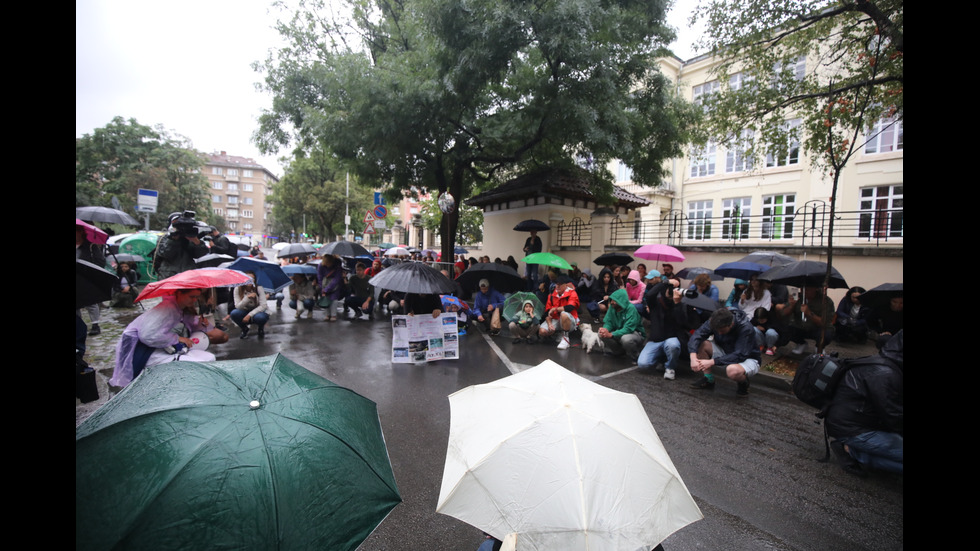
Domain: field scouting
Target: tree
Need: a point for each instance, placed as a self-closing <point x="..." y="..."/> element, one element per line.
<point x="124" y="156"/>
<point x="315" y="187"/>
<point x="469" y="228"/>
<point x="835" y="69"/>
<point x="447" y="96"/>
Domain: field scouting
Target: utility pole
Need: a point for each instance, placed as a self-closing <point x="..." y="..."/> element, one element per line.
<point x="347" y="210"/>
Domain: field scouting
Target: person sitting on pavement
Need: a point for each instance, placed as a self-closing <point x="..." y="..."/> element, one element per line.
<point x="250" y="307"/>
<point x="418" y="305"/>
<point x="635" y="286"/>
<point x="361" y="294"/>
<point x="525" y="325"/>
<point x="622" y="330"/>
<point x="733" y="349"/>
<point x="207" y="307"/>
<point x="125" y="292"/>
<point x="754" y="297"/>
<point x="888" y="322"/>
<point x="599" y="294"/>
<point x="160" y="335"/>
<point x="330" y="280"/>
<point x="302" y="296"/>
<point x="852" y="317"/>
<point x="561" y="310"/>
<point x="866" y="416"/>
<point x="702" y="284"/>
<point x="487" y="303"/>
<point x="766" y="331"/>
<point x="670" y="322"/>
<point x="811" y="316"/>
<point x="667" y="271"/>
<point x="738" y="291"/>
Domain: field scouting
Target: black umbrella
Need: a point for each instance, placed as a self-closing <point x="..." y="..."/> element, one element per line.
<point x="501" y="277"/>
<point x="414" y="277"/>
<point x="106" y="215"/>
<point x="532" y="225"/>
<point x="804" y="273"/>
<point x="344" y="248"/>
<point x="212" y="260"/>
<point x="769" y="258"/>
<point x="703" y="302"/>
<point x="296" y="249"/>
<point x="880" y="296"/>
<point x="695" y="271"/>
<point x="93" y="283"/>
<point x="610" y="259"/>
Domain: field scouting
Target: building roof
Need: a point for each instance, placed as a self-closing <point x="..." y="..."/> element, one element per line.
<point x="572" y="183"/>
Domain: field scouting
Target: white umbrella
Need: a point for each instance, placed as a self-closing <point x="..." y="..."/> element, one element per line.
<point x="397" y="251"/>
<point x="558" y="462"/>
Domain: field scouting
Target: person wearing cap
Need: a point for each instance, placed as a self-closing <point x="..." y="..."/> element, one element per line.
<point x="487" y="304"/>
<point x="561" y="310"/>
<point x="622" y="329"/>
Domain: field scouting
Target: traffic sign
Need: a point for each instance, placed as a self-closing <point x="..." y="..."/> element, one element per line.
<point x="369" y="229"/>
<point x="380" y="211"/>
<point x="369" y="218"/>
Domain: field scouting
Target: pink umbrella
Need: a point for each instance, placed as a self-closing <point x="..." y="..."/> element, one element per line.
<point x="93" y="234"/>
<point x="660" y="253"/>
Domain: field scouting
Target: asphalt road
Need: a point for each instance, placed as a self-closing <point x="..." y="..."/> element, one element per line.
<point x="749" y="463"/>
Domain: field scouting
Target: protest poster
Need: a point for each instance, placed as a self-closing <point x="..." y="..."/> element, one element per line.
<point x="424" y="338"/>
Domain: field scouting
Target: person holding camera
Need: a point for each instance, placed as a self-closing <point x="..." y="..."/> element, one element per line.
<point x="177" y="250"/>
<point x="670" y="321"/>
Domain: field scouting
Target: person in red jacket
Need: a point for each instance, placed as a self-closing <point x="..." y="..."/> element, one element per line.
<point x="561" y="311"/>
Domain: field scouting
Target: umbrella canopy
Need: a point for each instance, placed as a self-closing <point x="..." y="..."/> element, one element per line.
<point x="246" y="454"/>
<point x="414" y="277"/>
<point x="880" y="296"/>
<point x="344" y="248"/>
<point x="769" y="258"/>
<point x="213" y="260"/>
<point x="450" y="300"/>
<point x="695" y="271"/>
<point x="460" y="250"/>
<point x="304" y="269"/>
<point x="563" y="463"/>
<point x="268" y="274"/>
<point x="296" y="249"/>
<point x="659" y="252"/>
<point x="93" y="283"/>
<point x="386" y="245"/>
<point x="124" y="257"/>
<point x="280" y="246"/>
<point x="105" y="214"/>
<point x="501" y="277"/>
<point x="531" y="225"/>
<point x="397" y="251"/>
<point x="741" y="269"/>
<point x="201" y="278"/>
<point x="548" y="259"/>
<point x="93" y="234"/>
<point x="515" y="304"/>
<point x="610" y="259"/>
<point x="804" y="273"/>
<point x="703" y="302"/>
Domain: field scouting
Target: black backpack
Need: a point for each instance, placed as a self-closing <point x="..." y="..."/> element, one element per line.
<point x="817" y="378"/>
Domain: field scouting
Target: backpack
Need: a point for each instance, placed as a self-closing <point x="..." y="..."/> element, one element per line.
<point x="817" y="378"/>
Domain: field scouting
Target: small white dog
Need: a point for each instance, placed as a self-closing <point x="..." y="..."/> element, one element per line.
<point x="590" y="339"/>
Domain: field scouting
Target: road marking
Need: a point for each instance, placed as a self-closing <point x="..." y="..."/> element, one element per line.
<point x="516" y="368"/>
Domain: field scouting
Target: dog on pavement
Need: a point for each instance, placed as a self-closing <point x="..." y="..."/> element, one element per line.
<point x="590" y="339"/>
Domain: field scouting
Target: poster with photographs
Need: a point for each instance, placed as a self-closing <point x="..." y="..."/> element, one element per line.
<point x="424" y="338"/>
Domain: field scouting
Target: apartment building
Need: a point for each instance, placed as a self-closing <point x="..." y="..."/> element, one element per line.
<point x="240" y="190"/>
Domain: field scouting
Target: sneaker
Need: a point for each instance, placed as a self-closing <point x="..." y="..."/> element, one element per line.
<point x="800" y="348"/>
<point x="564" y="344"/>
<point x="95" y="330"/>
<point x="669" y="374"/>
<point x="261" y="331"/>
<point x="462" y="331"/>
<point x="244" y="333"/>
<point x="703" y="384"/>
<point x="771" y="351"/>
<point x="297" y="314"/>
<point x="743" y="388"/>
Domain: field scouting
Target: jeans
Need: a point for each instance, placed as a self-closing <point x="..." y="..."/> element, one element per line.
<point x="767" y="339"/>
<point x="669" y="350"/>
<point x="308" y="303"/>
<point x="238" y="316"/>
<point x="877" y="449"/>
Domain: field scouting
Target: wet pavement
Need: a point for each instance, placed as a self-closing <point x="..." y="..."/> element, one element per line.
<point x="749" y="463"/>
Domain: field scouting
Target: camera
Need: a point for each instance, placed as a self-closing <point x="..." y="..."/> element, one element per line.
<point x="185" y="225"/>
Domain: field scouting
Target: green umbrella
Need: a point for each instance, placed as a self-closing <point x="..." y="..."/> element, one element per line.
<point x="515" y="303"/>
<point x="143" y="244"/>
<point x="548" y="259"/>
<point x="245" y="454"/>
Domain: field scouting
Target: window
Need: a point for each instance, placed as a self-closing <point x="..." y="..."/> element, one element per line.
<point x="777" y="216"/>
<point x="702" y="91"/>
<point x="623" y="172"/>
<point x="232" y="200"/>
<point x="232" y="187"/>
<point x="247" y="187"/>
<point x="792" y="70"/>
<point x="247" y="214"/>
<point x="217" y="185"/>
<point x="232" y="172"/>
<point x="637" y="226"/>
<point x="736" y="160"/>
<point x="248" y="200"/>
<point x="215" y="198"/>
<point x="699" y="220"/>
<point x="703" y="160"/>
<point x="247" y="227"/>
<point x="884" y="136"/>
<point x="735" y="214"/>
<point x="216" y="170"/>
<point x="791" y="155"/>
<point x="216" y="211"/>
<point x="882" y="210"/>
<point x="232" y="213"/>
<point x="247" y="173"/>
<point x="738" y="80"/>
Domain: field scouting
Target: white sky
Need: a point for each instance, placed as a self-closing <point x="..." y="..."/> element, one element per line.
<point x="186" y="64"/>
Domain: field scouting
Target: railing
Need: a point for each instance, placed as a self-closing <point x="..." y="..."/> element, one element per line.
<point x="808" y="226"/>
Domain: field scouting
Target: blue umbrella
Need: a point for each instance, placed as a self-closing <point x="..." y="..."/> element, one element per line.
<point x="460" y="250"/>
<point x="741" y="270"/>
<point x="304" y="269"/>
<point x="268" y="275"/>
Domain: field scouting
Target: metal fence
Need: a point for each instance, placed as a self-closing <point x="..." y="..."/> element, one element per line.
<point x="808" y="226"/>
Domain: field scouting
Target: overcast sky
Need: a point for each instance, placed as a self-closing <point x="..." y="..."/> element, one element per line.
<point x="186" y="64"/>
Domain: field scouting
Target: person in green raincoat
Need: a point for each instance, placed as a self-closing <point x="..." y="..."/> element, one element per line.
<point x="622" y="329"/>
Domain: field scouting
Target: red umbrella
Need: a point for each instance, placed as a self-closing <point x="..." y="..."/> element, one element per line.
<point x="660" y="253"/>
<point x="201" y="278"/>
<point x="93" y="234"/>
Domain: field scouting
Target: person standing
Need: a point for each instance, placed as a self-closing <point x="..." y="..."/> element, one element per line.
<point x="179" y="247"/>
<point x="220" y="244"/>
<point x="89" y="252"/>
<point x="532" y="245"/>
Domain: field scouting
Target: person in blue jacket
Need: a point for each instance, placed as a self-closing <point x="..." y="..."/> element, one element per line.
<point x="487" y="304"/>
<point x="733" y="348"/>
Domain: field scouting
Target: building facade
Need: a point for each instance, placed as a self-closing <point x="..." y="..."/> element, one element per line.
<point x="240" y="193"/>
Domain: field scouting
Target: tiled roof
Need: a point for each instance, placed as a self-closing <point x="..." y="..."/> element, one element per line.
<point x="572" y="183"/>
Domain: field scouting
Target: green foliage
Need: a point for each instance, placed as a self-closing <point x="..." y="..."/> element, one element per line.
<point x="315" y="186"/>
<point x="447" y="95"/>
<point x="470" y="228"/>
<point x="124" y="156"/>
<point x="853" y="74"/>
